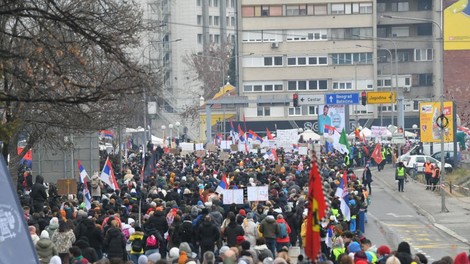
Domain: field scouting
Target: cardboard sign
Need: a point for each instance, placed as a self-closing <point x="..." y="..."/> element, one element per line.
<point x="211" y="147"/>
<point x="256" y="146"/>
<point x="233" y="196"/>
<point x="174" y="151"/>
<point x="234" y="148"/>
<point x="199" y="146"/>
<point x="200" y="153"/>
<point x="67" y="186"/>
<point x="224" y="156"/>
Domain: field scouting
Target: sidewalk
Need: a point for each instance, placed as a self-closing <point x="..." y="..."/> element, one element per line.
<point x="455" y="222"/>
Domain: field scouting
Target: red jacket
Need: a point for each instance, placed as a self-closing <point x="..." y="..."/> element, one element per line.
<point x="287" y="238"/>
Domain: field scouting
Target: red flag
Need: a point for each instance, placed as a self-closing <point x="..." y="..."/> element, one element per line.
<point x="358" y="135"/>
<point x="316" y="211"/>
<point x="269" y="135"/>
<point x="366" y="150"/>
<point x="345" y="179"/>
<point x="377" y="154"/>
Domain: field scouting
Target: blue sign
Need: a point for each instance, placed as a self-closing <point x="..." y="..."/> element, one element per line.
<point x="342" y="98"/>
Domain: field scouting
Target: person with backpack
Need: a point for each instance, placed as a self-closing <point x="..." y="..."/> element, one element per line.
<point x="232" y="232"/>
<point x="137" y="244"/>
<point x="153" y="241"/>
<point x="283" y="239"/>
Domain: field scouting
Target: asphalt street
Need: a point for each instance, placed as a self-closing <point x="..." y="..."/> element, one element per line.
<point x="414" y="216"/>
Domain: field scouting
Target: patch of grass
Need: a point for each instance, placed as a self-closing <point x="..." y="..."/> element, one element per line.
<point x="458" y="176"/>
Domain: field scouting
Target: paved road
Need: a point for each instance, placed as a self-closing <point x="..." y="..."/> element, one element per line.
<point x="396" y="217"/>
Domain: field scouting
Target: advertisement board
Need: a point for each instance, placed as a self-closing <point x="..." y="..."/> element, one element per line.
<point x="428" y="118"/>
<point x="456" y="26"/>
<point x="332" y="115"/>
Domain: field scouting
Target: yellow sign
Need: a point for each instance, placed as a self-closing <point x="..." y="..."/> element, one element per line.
<point x="456" y="25"/>
<point x="381" y="97"/>
<point x="429" y="120"/>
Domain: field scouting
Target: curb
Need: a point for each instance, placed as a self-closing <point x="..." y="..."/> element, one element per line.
<point x="430" y="218"/>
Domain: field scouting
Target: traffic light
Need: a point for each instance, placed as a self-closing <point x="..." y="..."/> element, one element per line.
<point x="364" y="98"/>
<point x="295" y="100"/>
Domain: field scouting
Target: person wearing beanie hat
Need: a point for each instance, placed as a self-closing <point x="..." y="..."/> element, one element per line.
<point x="461" y="258"/>
<point x="383" y="251"/>
<point x="174" y="253"/>
<point x="354" y="247"/>
<point x="57" y="260"/>
<point x="154" y="258"/>
<point x="360" y="255"/>
<point x="45" y="248"/>
<point x="142" y="259"/>
<point x="269" y="228"/>
<point x="421" y="258"/>
<point x="53" y="225"/>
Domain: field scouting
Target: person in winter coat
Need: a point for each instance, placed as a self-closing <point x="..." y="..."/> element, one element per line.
<point x="45" y="248"/>
<point x="63" y="239"/>
<point x="270" y="230"/>
<point x="87" y="252"/>
<point x="367" y="178"/>
<point x="53" y="226"/>
<point x="251" y="229"/>
<point x="38" y="194"/>
<point x="137" y="244"/>
<point x="207" y="235"/>
<point x="282" y="240"/>
<point x="293" y="221"/>
<point x="232" y="232"/>
<point x="158" y="220"/>
<point x="187" y="232"/>
<point x="94" y="236"/>
<point x="174" y="232"/>
<point x="114" y="243"/>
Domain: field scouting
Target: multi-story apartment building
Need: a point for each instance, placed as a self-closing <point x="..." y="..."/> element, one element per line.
<point x="179" y="28"/>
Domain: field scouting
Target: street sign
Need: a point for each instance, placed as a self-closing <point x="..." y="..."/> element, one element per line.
<point x="311" y="99"/>
<point x="398" y="138"/>
<point x="342" y="98"/>
<point x="381" y="97"/>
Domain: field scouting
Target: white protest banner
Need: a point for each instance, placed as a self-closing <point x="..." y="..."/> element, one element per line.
<point x="233" y="196"/>
<point x="303" y="150"/>
<point x="286" y="137"/>
<point x="257" y="193"/>
<point x="188" y="147"/>
<point x="199" y="146"/>
<point x="378" y="131"/>
<point x="225" y="144"/>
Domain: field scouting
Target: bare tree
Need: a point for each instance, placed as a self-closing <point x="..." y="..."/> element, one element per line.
<point x="64" y="67"/>
<point x="210" y="69"/>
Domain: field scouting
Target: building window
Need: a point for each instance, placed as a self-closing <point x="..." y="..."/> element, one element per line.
<point x="302" y="85"/>
<point x="400" y="6"/>
<point x="216" y="20"/>
<point x="273" y="61"/>
<point x="337" y="9"/>
<point x="264" y="111"/>
<point x="321" y="10"/>
<point x="248" y="11"/>
<point x="381" y="7"/>
<point x="233" y="21"/>
<point x="198" y="2"/>
<point x="217" y="38"/>
<point x="351" y="58"/>
<point x="423" y="54"/>
<point x="199" y="38"/>
<point x="216" y="3"/>
<point x="400" y="31"/>
<point x="199" y="20"/>
<point x="296" y="10"/>
<point x="295" y="111"/>
<point x="342" y="85"/>
<point x="262" y="87"/>
<point x="425" y="79"/>
<point x="312" y="110"/>
<point x="307" y="61"/>
<point x="424" y="29"/>
<point x="210" y="21"/>
<point x="365" y="8"/>
<point x="424" y="5"/>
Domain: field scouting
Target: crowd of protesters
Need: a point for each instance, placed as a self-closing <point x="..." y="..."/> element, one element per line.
<point x="174" y="214"/>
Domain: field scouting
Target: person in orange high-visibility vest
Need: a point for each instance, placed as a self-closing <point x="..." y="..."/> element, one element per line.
<point x="428" y="174"/>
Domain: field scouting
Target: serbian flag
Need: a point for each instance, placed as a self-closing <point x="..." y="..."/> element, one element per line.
<point x="83" y="179"/>
<point x="106" y="134"/>
<point x="107" y="175"/>
<point x="377" y="154"/>
<point x="255" y="136"/>
<point x="223" y="184"/>
<point x="241" y="134"/>
<point x="218" y="138"/>
<point x="269" y="135"/>
<point x="316" y="211"/>
<point x="342" y="193"/>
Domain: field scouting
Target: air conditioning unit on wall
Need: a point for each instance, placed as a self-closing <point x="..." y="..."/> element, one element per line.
<point x="275" y="45"/>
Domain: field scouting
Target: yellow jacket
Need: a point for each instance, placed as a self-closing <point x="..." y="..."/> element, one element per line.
<point x="137" y="235"/>
<point x="303" y="231"/>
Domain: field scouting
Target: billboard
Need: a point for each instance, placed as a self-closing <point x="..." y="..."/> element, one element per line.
<point x="332" y="115"/>
<point x="457" y="25"/>
<point x="428" y="115"/>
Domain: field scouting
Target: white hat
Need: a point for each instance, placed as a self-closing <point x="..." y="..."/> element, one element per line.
<point x="155" y="257"/>
<point x="130" y="221"/>
<point x="44" y="234"/>
<point x="55" y="260"/>
<point x="174" y="252"/>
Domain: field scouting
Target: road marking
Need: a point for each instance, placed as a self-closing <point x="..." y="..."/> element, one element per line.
<point x="402" y="216"/>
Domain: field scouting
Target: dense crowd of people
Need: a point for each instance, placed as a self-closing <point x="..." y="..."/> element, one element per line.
<point x="172" y="213"/>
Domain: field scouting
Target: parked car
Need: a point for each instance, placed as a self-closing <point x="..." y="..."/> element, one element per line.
<point x="418" y="160"/>
<point x="449" y="157"/>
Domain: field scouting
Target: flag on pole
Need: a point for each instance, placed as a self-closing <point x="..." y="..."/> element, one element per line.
<point x="107" y="175"/>
<point x="343" y="194"/>
<point x="377" y="154"/>
<point x="254" y="136"/>
<point x="316" y="211"/>
<point x="83" y="179"/>
<point x="223" y="184"/>
<point x="344" y="143"/>
<point x="106" y="134"/>
<point x="269" y="135"/>
<point x="357" y="134"/>
<point x="241" y="134"/>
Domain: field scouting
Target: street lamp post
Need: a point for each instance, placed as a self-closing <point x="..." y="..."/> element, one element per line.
<point x="441" y="84"/>
<point x="170" y="127"/>
<point x="163" y="135"/>
<point x="177" y="125"/>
